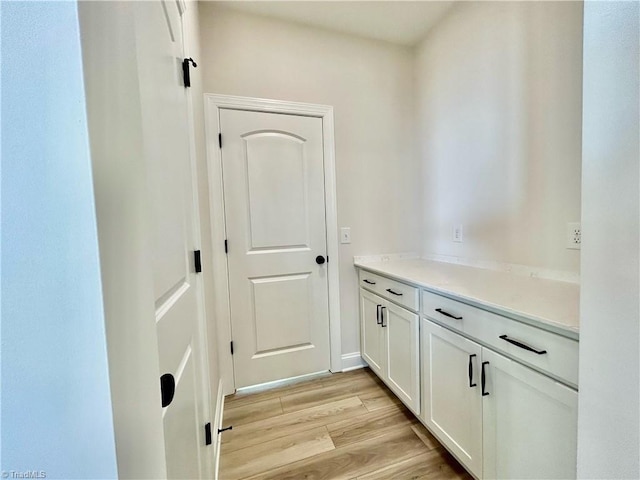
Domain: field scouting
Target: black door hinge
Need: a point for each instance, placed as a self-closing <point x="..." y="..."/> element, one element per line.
<point x="197" y="262"/>
<point x="220" y="140"/>
<point x="231" y="347"/>
<point x="226" y="246"/>
<point x="186" y="76"/>
<point x="207" y="434"/>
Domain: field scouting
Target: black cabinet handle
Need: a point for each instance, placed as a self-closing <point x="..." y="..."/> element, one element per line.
<point x="471" y="384"/>
<point x="447" y="314"/>
<point x="522" y="345"/>
<point x="382" y="316"/>
<point x="319" y="259"/>
<point x="394" y="293"/>
<point x="368" y="281"/>
<point x="483" y="379"/>
<point x="378" y="314"/>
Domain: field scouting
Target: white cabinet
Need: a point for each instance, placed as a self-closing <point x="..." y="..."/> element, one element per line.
<point x="452" y="403"/>
<point x="404" y="295"/>
<point x="499" y="393"/>
<point x="498" y="417"/>
<point x="529" y="423"/>
<point x="553" y="354"/>
<point x="403" y="354"/>
<point x="390" y="345"/>
<point x="372" y="346"/>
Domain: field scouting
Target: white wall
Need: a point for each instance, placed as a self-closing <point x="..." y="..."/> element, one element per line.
<point x="369" y="83"/>
<point x="56" y="404"/>
<point x="609" y="414"/>
<point x="498" y="96"/>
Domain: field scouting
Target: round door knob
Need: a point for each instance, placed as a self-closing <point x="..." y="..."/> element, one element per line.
<point x="319" y="259"/>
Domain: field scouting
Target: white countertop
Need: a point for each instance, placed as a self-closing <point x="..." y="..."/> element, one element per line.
<point x="549" y="304"/>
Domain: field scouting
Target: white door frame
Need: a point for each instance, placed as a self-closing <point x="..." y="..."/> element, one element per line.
<point x="213" y="104"/>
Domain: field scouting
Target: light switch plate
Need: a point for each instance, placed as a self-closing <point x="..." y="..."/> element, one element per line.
<point x="345" y="235"/>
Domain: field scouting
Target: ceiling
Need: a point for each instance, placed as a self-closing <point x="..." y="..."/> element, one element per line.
<point x="399" y="22"/>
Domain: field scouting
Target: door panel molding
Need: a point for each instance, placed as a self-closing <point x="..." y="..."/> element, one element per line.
<point x="213" y="104"/>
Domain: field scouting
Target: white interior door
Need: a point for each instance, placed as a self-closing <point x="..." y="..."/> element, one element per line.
<point x="179" y="311"/>
<point x="273" y="171"/>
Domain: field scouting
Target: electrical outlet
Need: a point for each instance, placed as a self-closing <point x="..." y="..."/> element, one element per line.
<point x="345" y="235"/>
<point x="574" y="235"/>
<point x="457" y="233"/>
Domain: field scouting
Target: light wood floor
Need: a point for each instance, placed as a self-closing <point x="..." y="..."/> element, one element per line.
<point x="341" y="426"/>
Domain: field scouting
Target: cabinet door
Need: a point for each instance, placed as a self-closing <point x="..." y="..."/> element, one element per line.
<point x="372" y="335"/>
<point x="452" y="405"/>
<point x="530" y="423"/>
<point x="403" y="360"/>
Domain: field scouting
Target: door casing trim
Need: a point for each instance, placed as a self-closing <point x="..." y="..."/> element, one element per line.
<point x="213" y="104"/>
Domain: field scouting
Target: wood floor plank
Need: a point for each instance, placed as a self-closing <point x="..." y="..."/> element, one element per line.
<point x="423" y="434"/>
<point x="342" y="426"/>
<point x="382" y="397"/>
<point x="369" y="425"/>
<point x="311" y="398"/>
<point x="300" y="386"/>
<point x="237" y="415"/>
<point x="348" y="376"/>
<point x="240" y="399"/>
<point x="271" y="455"/>
<point x="290" y="423"/>
<point x="353" y="460"/>
<point x="435" y="464"/>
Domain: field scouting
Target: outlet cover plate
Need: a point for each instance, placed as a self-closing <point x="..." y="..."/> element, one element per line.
<point x="574" y="235"/>
<point x="457" y="233"/>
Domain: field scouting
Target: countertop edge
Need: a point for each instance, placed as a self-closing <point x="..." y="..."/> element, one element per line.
<point x="542" y="323"/>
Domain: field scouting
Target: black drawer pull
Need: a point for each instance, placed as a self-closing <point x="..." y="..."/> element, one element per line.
<point x="522" y="345"/>
<point x="447" y="314"/>
<point x="378" y="314"/>
<point x="471" y="384"/>
<point x="394" y="293"/>
<point x="483" y="379"/>
<point x="382" y="316"/>
<point x="368" y="281"/>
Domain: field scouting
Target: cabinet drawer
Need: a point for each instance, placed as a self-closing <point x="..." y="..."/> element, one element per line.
<point x="518" y="340"/>
<point x="397" y="292"/>
<point x="371" y="281"/>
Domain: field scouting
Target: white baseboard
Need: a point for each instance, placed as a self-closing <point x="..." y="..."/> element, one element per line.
<point x="352" y="361"/>
<point x="261" y="387"/>
<point x="217" y="424"/>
